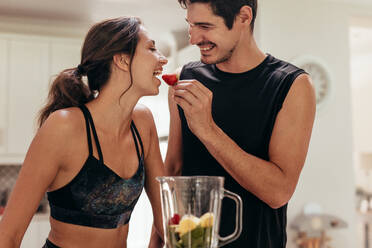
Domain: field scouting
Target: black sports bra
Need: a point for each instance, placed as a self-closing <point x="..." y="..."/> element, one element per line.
<point x="97" y="196"/>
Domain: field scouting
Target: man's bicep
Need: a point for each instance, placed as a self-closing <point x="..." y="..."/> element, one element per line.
<point x="173" y="159"/>
<point x="292" y="130"/>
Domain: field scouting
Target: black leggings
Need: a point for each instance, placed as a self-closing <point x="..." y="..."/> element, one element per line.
<point x="49" y="244"/>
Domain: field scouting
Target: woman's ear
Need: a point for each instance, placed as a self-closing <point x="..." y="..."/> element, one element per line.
<point x="122" y="61"/>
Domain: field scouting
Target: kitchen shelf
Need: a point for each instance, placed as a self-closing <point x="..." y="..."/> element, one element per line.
<point x="15" y="160"/>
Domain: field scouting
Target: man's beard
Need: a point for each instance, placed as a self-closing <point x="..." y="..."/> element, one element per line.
<point x="224" y="58"/>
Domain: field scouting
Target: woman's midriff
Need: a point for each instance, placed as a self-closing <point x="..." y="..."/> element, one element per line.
<point x="70" y="236"/>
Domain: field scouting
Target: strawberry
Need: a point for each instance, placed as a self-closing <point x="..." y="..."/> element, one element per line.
<point x="175" y="220"/>
<point x="170" y="79"/>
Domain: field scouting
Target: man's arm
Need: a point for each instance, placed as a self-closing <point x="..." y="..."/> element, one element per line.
<point x="272" y="181"/>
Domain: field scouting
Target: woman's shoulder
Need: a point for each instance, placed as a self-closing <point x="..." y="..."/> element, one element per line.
<point x="143" y="119"/>
<point x="66" y="121"/>
<point x="142" y="113"/>
<point x="61" y="132"/>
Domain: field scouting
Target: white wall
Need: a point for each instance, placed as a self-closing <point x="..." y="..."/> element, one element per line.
<point x="361" y="82"/>
<point x="362" y="103"/>
<point x="290" y="29"/>
<point x="361" y="89"/>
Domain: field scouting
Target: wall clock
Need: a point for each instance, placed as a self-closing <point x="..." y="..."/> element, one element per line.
<point x="320" y="76"/>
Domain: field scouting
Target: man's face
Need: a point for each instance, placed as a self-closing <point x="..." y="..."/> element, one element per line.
<point x="208" y="31"/>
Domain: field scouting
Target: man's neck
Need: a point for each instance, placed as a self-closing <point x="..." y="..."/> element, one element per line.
<point x="246" y="56"/>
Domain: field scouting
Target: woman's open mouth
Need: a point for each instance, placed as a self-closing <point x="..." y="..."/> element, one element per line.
<point x="157" y="73"/>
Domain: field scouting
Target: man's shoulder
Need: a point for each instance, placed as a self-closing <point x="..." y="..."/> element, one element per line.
<point x="283" y="67"/>
<point x="195" y="69"/>
<point x="193" y="65"/>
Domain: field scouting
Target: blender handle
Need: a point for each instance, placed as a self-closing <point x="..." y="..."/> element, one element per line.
<point x="238" y="221"/>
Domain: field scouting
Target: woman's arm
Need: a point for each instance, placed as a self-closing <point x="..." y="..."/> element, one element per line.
<point x="40" y="167"/>
<point x="154" y="168"/>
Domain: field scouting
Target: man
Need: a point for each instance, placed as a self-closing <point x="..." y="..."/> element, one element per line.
<point x="243" y="115"/>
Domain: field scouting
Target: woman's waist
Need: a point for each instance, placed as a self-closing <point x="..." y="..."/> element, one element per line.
<point x="71" y="235"/>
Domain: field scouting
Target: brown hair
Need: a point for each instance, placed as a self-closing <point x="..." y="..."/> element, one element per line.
<point x="103" y="41"/>
<point x="227" y="9"/>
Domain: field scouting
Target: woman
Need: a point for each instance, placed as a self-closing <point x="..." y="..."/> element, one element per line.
<point x="96" y="148"/>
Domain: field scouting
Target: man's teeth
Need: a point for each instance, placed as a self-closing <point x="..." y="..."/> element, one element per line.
<point x="206" y="48"/>
<point x="157" y="73"/>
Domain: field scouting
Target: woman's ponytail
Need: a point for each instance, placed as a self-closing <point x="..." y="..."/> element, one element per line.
<point x="67" y="90"/>
<point x="103" y="41"/>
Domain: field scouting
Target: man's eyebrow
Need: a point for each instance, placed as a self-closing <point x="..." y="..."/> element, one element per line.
<point x="151" y="41"/>
<point x="199" y="23"/>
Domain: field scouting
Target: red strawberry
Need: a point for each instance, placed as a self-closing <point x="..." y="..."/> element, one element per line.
<point x="175" y="220"/>
<point x="170" y="79"/>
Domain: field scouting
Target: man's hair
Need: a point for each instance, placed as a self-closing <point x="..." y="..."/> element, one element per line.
<point x="227" y="9"/>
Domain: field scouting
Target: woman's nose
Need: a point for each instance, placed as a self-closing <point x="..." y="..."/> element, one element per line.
<point x="163" y="60"/>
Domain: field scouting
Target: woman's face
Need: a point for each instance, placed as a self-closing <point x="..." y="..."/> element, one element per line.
<point x="147" y="64"/>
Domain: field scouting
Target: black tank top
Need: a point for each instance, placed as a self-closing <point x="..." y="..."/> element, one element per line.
<point x="244" y="106"/>
<point x="97" y="196"/>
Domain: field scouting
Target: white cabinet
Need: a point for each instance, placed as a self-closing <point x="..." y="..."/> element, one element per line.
<point x="27" y="66"/>
<point x="64" y="53"/>
<point x="28" y="83"/>
<point x="3" y="94"/>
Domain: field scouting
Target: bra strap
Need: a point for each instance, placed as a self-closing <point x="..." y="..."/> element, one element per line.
<point x="87" y="127"/>
<point x="94" y="133"/>
<point x="136" y="136"/>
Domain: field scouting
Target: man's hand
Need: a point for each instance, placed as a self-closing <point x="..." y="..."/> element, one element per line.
<point x="196" y="101"/>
